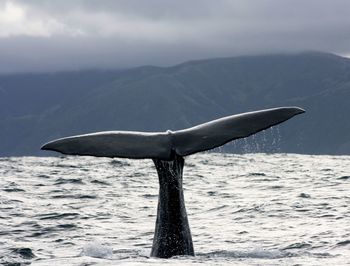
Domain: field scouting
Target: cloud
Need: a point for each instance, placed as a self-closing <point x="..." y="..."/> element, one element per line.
<point x="15" y="20"/>
<point x="39" y="35"/>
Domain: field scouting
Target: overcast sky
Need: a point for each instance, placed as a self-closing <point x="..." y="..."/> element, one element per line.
<point x="47" y="35"/>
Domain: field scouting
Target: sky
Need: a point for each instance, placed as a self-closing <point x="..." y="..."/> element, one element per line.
<point x="47" y="35"/>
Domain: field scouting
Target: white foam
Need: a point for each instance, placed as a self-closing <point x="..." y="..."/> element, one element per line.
<point x="96" y="250"/>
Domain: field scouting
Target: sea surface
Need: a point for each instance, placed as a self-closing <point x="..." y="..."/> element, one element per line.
<point x="253" y="209"/>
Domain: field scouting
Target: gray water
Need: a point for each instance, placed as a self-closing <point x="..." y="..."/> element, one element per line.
<point x="253" y="209"/>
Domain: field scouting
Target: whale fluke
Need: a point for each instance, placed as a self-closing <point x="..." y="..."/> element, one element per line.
<point x="162" y="145"/>
<point x="172" y="235"/>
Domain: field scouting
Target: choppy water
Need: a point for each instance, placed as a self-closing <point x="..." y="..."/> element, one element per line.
<point x="254" y="209"/>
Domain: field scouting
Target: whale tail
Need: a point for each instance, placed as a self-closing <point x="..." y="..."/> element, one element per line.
<point x="163" y="145"/>
<point x="172" y="235"/>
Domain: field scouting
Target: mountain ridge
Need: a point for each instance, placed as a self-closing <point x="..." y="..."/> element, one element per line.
<point x="36" y="108"/>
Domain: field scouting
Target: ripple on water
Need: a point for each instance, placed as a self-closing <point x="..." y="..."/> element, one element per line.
<point x="25" y="253"/>
<point x="304" y="195"/>
<point x="100" y="182"/>
<point x="257" y="253"/>
<point x="257" y="174"/>
<point x="343" y="243"/>
<point x="74" y="196"/>
<point x="119" y="163"/>
<point x="61" y="181"/>
<point x="56" y="216"/>
<point x="301" y="245"/>
<point x="14" y="189"/>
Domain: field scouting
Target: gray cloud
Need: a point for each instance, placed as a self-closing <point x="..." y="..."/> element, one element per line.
<point x="42" y="35"/>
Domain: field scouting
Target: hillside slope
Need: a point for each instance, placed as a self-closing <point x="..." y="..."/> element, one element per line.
<point x="40" y="107"/>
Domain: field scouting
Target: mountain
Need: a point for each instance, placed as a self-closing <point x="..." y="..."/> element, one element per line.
<point x="35" y="108"/>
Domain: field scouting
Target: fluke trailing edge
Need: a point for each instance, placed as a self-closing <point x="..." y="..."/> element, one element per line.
<point x="167" y="149"/>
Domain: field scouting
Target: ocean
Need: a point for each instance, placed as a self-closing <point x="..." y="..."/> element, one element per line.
<point x="251" y="209"/>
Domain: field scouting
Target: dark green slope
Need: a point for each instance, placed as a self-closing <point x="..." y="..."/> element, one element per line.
<point x="153" y="98"/>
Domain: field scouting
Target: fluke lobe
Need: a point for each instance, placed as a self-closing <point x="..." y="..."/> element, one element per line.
<point x="172" y="232"/>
